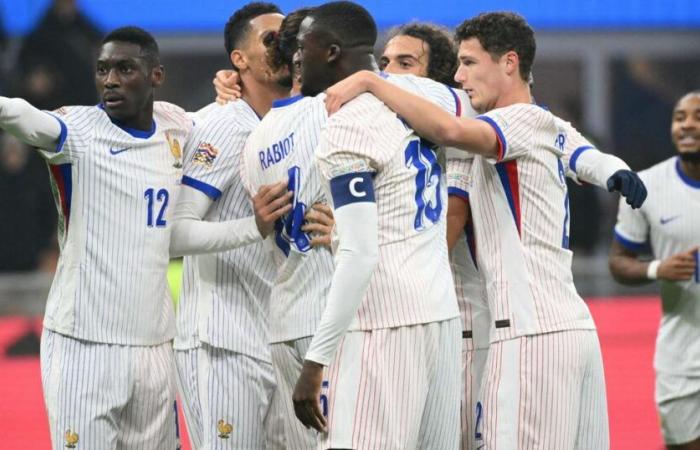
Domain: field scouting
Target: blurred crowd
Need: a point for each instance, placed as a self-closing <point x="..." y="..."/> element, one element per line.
<point x="52" y="66"/>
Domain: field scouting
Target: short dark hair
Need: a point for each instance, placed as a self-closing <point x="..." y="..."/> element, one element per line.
<point x="238" y="24"/>
<point x="501" y="32"/>
<point x="137" y="36"/>
<point x="349" y="22"/>
<point x="442" y="53"/>
<point x="282" y="45"/>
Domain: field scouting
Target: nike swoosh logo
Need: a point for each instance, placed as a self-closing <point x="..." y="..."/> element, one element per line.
<point x="116" y="152"/>
<point x="666" y="220"/>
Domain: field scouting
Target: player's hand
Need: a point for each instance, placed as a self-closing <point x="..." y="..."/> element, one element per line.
<point x="307" y="393"/>
<point x="270" y="203"/>
<point x="347" y="89"/>
<point x="228" y="86"/>
<point x="679" y="267"/>
<point x="320" y="223"/>
<point x="630" y="186"/>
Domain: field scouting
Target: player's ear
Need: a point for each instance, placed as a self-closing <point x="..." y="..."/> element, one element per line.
<point x="511" y="62"/>
<point x="157" y="76"/>
<point x="333" y="53"/>
<point x="239" y="60"/>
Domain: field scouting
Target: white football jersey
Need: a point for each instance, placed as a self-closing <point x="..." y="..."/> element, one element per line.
<point x="283" y="147"/>
<point x="114" y="189"/>
<point x="224" y="300"/>
<point x="670" y="220"/>
<point x="412" y="283"/>
<point x="469" y="286"/>
<point x="471" y="295"/>
<point x="520" y="210"/>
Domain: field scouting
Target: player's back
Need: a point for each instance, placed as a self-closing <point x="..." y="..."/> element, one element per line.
<point x="115" y="187"/>
<point x="283" y="147"/>
<point x="521" y="214"/>
<point x="412" y="283"/>
<point x="225" y="297"/>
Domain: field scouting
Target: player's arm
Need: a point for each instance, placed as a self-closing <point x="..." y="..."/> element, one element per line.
<point x="426" y="118"/>
<point x="457" y="218"/>
<point x="192" y="235"/>
<point x="357" y="255"/>
<point x="627" y="268"/>
<point x="31" y="125"/>
<point x="319" y="223"/>
<point x="609" y="172"/>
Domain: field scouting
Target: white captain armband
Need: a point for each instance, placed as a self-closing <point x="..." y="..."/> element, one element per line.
<point x="352" y="188"/>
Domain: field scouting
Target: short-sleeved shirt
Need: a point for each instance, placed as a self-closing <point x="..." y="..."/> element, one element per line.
<point x="521" y="217"/>
<point x="669" y="220"/>
<point x="115" y="188"/>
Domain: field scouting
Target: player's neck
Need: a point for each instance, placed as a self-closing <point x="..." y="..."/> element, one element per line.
<point x="261" y="95"/>
<point x="691" y="169"/>
<point x="356" y="63"/>
<point x="143" y="121"/>
<point x="520" y="93"/>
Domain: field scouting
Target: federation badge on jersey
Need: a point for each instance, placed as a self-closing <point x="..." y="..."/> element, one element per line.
<point x="205" y="155"/>
<point x="72" y="438"/>
<point x="175" y="149"/>
<point x="224" y="428"/>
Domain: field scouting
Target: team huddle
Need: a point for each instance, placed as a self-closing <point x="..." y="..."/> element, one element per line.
<point x="372" y="260"/>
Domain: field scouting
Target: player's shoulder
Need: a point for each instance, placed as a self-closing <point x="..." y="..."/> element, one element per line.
<point x="519" y="116"/>
<point x="439" y="93"/>
<point x="358" y="112"/>
<point x="79" y="113"/>
<point x="290" y="110"/>
<point x="170" y="117"/>
<point x="659" y="172"/>
<point x="235" y="118"/>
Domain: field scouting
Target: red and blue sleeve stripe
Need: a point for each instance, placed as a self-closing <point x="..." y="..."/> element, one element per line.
<point x="500" y="137"/>
<point x="63" y="178"/>
<point x="508" y="174"/>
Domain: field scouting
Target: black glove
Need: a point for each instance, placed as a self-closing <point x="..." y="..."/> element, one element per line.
<point x="630" y="186"/>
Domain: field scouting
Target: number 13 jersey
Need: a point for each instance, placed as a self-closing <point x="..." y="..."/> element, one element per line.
<point x="412" y="283"/>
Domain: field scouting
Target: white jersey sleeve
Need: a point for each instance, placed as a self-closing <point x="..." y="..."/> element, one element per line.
<point x="632" y="228"/>
<point x="582" y="161"/>
<point x="513" y="127"/>
<point x="213" y="151"/>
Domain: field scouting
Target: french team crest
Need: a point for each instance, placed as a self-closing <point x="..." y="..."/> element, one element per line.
<point x="224" y="428"/>
<point x="72" y="438"/>
<point x="205" y="155"/>
<point x="176" y="150"/>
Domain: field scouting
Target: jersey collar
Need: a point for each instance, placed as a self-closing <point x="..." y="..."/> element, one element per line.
<point x="685" y="178"/>
<point x="140" y="134"/>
